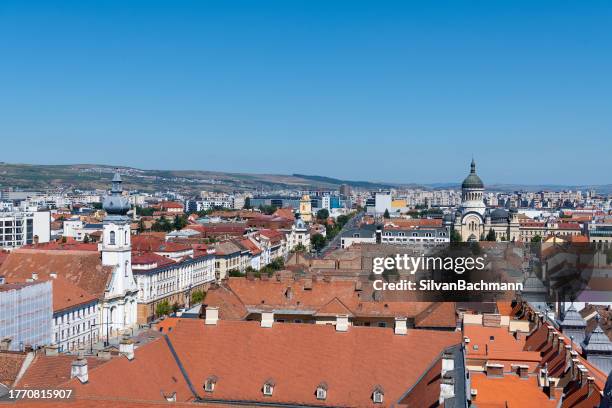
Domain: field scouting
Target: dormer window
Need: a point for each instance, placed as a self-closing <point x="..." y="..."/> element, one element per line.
<point x="268" y="388"/>
<point x="321" y="392"/>
<point x="378" y="395"/>
<point x="209" y="385"/>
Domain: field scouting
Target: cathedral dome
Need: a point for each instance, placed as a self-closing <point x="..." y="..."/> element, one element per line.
<point x="472" y="180"/>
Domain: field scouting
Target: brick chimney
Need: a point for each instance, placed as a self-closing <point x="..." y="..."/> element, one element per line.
<point x="400" y="325"/>
<point x="342" y="323"/>
<point x="555" y="393"/>
<point x="494" y="370"/>
<point x="212" y="316"/>
<point x="126" y="347"/>
<point x="267" y="319"/>
<point x="591" y="385"/>
<point x="555" y="341"/>
<point x="78" y="368"/>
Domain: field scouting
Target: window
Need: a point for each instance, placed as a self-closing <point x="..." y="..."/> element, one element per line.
<point x="209" y="385"/>
<point x="378" y="395"/>
<point x="112" y="238"/>
<point x="321" y="392"/>
<point x="268" y="388"/>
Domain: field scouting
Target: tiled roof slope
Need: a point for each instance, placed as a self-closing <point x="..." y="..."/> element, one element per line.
<point x="81" y="268"/>
<point x="298" y="357"/>
<point x="238" y="295"/>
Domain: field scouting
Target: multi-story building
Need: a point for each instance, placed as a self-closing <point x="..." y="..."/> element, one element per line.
<point x="25" y="314"/>
<point x="161" y="279"/>
<point x="75" y="315"/>
<point x="18" y="228"/>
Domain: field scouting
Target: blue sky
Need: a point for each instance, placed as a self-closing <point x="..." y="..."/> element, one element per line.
<point x="400" y="91"/>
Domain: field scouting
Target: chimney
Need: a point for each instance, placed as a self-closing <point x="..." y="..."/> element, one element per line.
<point x="447" y="388"/>
<point x="555" y="393"/>
<point x="126" y="347"/>
<point x="78" y="368"/>
<point x="342" y="323"/>
<point x="5" y="344"/>
<point x="561" y="344"/>
<point x="51" y="350"/>
<point x="494" y="370"/>
<point x="267" y="319"/>
<point x="34" y="276"/>
<point x="583" y="374"/>
<point x="448" y="362"/>
<point x="473" y="394"/>
<point x="519" y="335"/>
<point x="575" y="363"/>
<point x="212" y="315"/>
<point x="53" y="275"/>
<point x="400" y="325"/>
<point x="555" y="341"/>
<point x="591" y="385"/>
<point x="522" y="370"/>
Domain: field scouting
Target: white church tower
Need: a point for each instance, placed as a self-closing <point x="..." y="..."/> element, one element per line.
<point x="119" y="306"/>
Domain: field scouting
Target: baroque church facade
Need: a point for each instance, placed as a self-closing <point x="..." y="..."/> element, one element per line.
<point x="118" y="305"/>
<point x="474" y="221"/>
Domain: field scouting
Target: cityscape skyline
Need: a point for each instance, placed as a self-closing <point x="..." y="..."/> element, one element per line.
<point x="278" y="87"/>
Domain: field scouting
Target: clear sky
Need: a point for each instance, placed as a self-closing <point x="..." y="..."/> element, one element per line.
<point x="400" y="91"/>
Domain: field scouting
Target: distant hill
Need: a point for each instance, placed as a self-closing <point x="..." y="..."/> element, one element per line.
<point x="94" y="176"/>
<point x="333" y="181"/>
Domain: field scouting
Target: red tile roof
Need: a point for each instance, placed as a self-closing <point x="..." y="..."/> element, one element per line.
<point x="238" y="294"/>
<point x="509" y="391"/>
<point x="351" y="363"/>
<point x="81" y="268"/>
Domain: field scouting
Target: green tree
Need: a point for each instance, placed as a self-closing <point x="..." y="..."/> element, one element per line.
<point x="536" y="238"/>
<point x="455" y="236"/>
<point x="491" y="235"/>
<point x="145" y="211"/>
<point x="342" y="220"/>
<point x="180" y="222"/>
<point x="299" y="248"/>
<point x="318" y="241"/>
<point x="162" y="308"/>
<point x="386" y="214"/>
<point x="322" y="214"/>
<point x="162" y="224"/>
<point x="235" y="273"/>
<point x="247" y="203"/>
<point x="197" y="297"/>
<point x="267" y="209"/>
<point x="141" y="225"/>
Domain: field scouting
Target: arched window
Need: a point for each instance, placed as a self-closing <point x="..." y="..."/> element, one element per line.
<point x="112" y="238"/>
<point x="126" y="238"/>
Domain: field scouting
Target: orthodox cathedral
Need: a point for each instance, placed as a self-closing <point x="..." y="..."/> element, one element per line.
<point x="474" y="221"/>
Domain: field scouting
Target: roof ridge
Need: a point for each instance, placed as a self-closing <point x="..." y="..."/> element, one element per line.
<point x="181" y="367"/>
